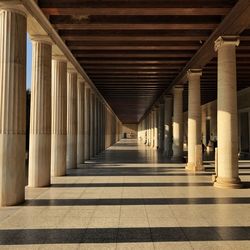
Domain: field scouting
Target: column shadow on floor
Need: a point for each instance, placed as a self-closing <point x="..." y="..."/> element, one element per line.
<point x="122" y="235"/>
<point x="140" y="184"/>
<point x="135" y="201"/>
<point x="99" y="170"/>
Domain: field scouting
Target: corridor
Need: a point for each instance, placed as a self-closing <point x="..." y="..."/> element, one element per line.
<point x="126" y="198"/>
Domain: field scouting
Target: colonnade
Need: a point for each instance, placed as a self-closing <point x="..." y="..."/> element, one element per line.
<point x="172" y="119"/>
<point x="69" y="123"/>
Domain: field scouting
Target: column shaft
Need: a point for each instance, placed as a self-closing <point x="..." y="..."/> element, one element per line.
<point x="194" y="120"/>
<point x="178" y="124"/>
<point x="80" y="121"/>
<point x="59" y="116"/>
<point x="151" y="129"/>
<point x="204" y="126"/>
<point x="161" y="127"/>
<point x="40" y="118"/>
<point x="87" y="123"/>
<point x="96" y="126"/>
<point x="91" y="139"/>
<point x="156" y="126"/>
<point x="12" y="106"/>
<point x="228" y="173"/>
<point x="71" y="119"/>
<point x="148" y="129"/>
<point x="168" y="128"/>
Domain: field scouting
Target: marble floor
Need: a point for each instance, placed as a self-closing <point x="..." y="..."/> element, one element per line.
<point x="128" y="198"/>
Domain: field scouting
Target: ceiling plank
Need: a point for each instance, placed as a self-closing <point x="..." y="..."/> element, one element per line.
<point x="137" y="11"/>
<point x="135" y="26"/>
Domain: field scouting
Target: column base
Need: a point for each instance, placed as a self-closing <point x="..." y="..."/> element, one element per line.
<point x="228" y="183"/>
<point x="194" y="167"/>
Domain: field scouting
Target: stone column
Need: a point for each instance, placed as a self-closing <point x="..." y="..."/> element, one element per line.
<point x="40" y="113"/>
<point x="87" y="123"/>
<point x="228" y="172"/>
<point x="80" y="120"/>
<point x="204" y="126"/>
<point x="91" y="123"/>
<point x="103" y="127"/>
<point x="59" y="116"/>
<point x="152" y="130"/>
<point x="12" y="105"/>
<point x="161" y="127"/>
<point x="156" y="114"/>
<point x="148" y="129"/>
<point x="178" y="124"/>
<point x="194" y="120"/>
<point x="168" y="129"/>
<point x="100" y="126"/>
<point x="71" y="118"/>
<point x="96" y="126"/>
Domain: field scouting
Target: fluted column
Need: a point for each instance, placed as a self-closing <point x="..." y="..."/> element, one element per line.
<point x="178" y="124"/>
<point x="87" y="123"/>
<point x="194" y="121"/>
<point x="148" y="129"/>
<point x="151" y="128"/>
<point x="228" y="171"/>
<point x="59" y="116"/>
<point x="71" y="119"/>
<point x="168" y="128"/>
<point x="161" y="127"/>
<point x="156" y="128"/>
<point x="40" y="113"/>
<point x="96" y="126"/>
<point x="80" y="121"/>
<point x="99" y="127"/>
<point x="103" y="126"/>
<point x="12" y="105"/>
<point x="204" y="126"/>
<point x="91" y="139"/>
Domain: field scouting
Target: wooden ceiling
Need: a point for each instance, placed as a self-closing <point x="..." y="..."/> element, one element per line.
<point x="133" y="50"/>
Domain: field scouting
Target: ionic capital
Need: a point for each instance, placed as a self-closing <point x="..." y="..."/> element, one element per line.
<point x="71" y="69"/>
<point x="80" y="78"/>
<point x="226" y="40"/>
<point x="42" y="39"/>
<point x="61" y="58"/>
<point x="178" y="89"/>
<point x="194" y="73"/>
<point x="13" y="6"/>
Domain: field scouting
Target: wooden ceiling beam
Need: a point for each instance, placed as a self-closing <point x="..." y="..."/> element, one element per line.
<point x="96" y="11"/>
<point x="131" y="56"/>
<point x="135" y="26"/>
<point x="120" y="38"/>
<point x="131" y="67"/>
<point x="124" y="62"/>
<point x="131" y="71"/>
<point x="113" y="49"/>
<point x="135" y="4"/>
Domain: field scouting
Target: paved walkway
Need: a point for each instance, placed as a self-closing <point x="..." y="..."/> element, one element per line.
<point x="127" y="199"/>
